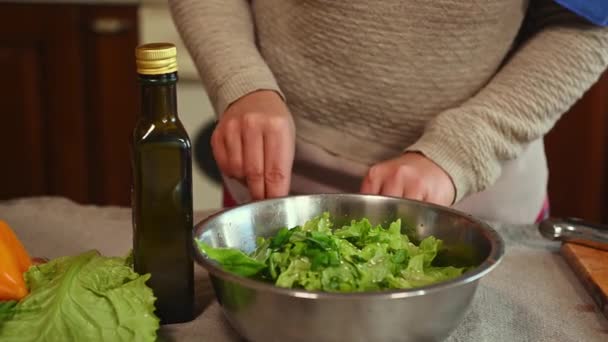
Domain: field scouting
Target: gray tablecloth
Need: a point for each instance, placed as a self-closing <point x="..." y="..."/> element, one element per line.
<point x="532" y="296"/>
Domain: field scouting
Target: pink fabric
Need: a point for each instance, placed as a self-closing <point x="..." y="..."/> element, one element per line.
<point x="228" y="201"/>
<point x="544" y="211"/>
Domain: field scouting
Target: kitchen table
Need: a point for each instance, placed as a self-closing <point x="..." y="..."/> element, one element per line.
<point x="531" y="296"/>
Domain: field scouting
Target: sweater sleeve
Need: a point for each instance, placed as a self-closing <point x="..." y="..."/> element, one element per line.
<point x="560" y="59"/>
<point x="220" y="37"/>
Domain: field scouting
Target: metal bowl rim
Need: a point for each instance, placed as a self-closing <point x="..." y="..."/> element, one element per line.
<point x="493" y="260"/>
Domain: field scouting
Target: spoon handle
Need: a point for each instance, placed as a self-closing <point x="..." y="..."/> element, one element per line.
<point x="576" y="231"/>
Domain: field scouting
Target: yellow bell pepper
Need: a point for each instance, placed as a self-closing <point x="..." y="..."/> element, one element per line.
<point x="14" y="261"/>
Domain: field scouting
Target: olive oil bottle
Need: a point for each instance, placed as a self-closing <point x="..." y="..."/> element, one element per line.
<point x="162" y="187"/>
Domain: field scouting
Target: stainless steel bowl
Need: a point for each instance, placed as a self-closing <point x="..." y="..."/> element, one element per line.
<point x="262" y="312"/>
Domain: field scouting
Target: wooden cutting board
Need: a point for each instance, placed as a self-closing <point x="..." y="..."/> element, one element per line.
<point x="591" y="266"/>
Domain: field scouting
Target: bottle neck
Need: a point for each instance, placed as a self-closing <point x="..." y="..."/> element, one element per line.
<point x="158" y="96"/>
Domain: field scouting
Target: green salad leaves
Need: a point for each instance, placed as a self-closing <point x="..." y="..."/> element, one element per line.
<point x="86" y="297"/>
<point x="354" y="258"/>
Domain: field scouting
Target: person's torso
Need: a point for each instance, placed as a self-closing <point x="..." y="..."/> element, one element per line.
<point x="363" y="78"/>
<point x="378" y="71"/>
<point x="517" y="196"/>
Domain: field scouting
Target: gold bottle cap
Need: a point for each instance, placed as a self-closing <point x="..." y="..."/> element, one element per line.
<point x="156" y="58"/>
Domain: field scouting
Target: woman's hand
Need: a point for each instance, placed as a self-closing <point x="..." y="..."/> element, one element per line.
<point x="412" y="176"/>
<point x="254" y="142"/>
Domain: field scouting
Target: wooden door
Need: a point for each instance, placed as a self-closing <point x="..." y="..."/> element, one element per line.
<point x="43" y="124"/>
<point x="109" y="39"/>
<point x="577" y="153"/>
<point x="68" y="101"/>
<point x="23" y="155"/>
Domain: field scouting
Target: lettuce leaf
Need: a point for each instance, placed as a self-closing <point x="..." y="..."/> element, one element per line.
<point x="86" y="297"/>
<point x="355" y="257"/>
<point x="233" y="260"/>
<point x="6" y="310"/>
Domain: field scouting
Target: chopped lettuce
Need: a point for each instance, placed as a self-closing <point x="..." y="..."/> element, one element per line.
<point x="353" y="258"/>
<point x="234" y="261"/>
<point x="82" y="298"/>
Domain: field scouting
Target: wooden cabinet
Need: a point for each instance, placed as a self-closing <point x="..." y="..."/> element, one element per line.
<point x="68" y="100"/>
<point x="577" y="152"/>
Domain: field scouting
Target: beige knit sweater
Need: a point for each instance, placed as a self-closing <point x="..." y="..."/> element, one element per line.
<point x="469" y="83"/>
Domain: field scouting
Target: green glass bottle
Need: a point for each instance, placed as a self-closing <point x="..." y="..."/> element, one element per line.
<point x="162" y="187"/>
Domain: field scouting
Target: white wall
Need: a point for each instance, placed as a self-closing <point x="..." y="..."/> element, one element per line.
<point x="193" y="105"/>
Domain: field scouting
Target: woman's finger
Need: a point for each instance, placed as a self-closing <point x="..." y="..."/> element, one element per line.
<point x="278" y="161"/>
<point x="392" y="186"/>
<point x="253" y="162"/>
<point x="219" y="151"/>
<point x="372" y="183"/>
<point x="234" y="151"/>
<point x="413" y="188"/>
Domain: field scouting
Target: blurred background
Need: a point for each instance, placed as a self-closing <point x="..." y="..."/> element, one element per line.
<point x="69" y="100"/>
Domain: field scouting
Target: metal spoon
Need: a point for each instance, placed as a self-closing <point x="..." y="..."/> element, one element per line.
<point x="576" y="231"/>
